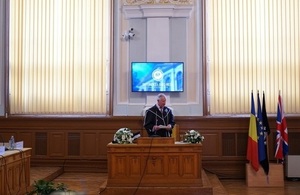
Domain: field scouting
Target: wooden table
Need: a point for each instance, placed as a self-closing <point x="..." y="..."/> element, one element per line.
<point x="15" y="171"/>
<point x="154" y="165"/>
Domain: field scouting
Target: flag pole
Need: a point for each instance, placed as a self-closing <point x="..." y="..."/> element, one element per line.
<point x="276" y="125"/>
<point x="267" y="138"/>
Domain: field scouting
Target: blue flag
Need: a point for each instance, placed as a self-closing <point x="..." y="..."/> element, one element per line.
<point x="262" y="144"/>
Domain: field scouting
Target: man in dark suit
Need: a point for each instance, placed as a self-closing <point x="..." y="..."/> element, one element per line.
<point x="159" y="119"/>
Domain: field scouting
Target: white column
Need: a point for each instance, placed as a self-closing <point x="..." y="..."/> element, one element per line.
<point x="158" y="39"/>
<point x="158" y="46"/>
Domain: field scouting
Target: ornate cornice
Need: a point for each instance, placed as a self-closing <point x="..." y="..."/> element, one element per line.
<point x="157" y="8"/>
<point x="158" y="2"/>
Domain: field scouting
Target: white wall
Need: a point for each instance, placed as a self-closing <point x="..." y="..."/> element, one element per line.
<point x="163" y="32"/>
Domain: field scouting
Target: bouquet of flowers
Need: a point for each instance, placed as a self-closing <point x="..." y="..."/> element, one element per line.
<point x="123" y="136"/>
<point x="193" y="137"/>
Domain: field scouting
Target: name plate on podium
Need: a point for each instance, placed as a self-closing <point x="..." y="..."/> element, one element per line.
<point x="155" y="140"/>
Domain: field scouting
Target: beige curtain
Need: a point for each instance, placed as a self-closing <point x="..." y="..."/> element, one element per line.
<point x="253" y="45"/>
<point x="59" y="56"/>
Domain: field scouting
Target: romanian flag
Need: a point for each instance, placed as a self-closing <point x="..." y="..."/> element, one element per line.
<point x="262" y="138"/>
<point x="282" y="146"/>
<point x="252" y="147"/>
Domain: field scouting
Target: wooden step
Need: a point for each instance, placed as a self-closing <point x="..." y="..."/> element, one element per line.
<point x="211" y="185"/>
<point x="45" y="173"/>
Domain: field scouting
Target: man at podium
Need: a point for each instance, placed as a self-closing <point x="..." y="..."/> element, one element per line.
<point x="159" y="119"/>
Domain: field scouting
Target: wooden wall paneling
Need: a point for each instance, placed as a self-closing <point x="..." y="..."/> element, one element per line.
<point x="57" y="144"/>
<point x="242" y="142"/>
<point x="27" y="137"/>
<point x="6" y="135"/>
<point x="73" y="144"/>
<point x="271" y="145"/>
<point x="89" y="143"/>
<point x="228" y="144"/>
<point x="104" y="139"/>
<point x="224" y="147"/>
<point x="211" y="144"/>
<point x="41" y="143"/>
<point x="294" y="143"/>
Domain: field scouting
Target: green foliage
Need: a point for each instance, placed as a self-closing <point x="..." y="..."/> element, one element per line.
<point x="42" y="187"/>
<point x="61" y="187"/>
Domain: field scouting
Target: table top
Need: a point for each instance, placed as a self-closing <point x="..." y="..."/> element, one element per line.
<point x="14" y="151"/>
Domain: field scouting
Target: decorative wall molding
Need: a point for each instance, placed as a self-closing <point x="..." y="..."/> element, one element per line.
<point x="157" y="11"/>
<point x="160" y="2"/>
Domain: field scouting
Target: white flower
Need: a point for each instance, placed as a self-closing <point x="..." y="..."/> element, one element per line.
<point x="123" y="136"/>
<point x="193" y="136"/>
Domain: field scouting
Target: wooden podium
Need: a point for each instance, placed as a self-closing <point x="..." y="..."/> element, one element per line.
<point x="155" y="166"/>
<point x="15" y="171"/>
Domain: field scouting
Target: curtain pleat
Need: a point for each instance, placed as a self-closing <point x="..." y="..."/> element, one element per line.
<point x="252" y="45"/>
<point x="59" y="55"/>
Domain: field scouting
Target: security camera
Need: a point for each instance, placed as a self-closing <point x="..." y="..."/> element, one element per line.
<point x="131" y="34"/>
<point x="125" y="35"/>
<point x="128" y="34"/>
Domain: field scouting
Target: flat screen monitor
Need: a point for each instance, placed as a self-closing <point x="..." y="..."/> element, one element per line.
<point x="157" y="76"/>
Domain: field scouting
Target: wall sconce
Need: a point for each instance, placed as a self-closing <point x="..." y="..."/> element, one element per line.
<point x="128" y="35"/>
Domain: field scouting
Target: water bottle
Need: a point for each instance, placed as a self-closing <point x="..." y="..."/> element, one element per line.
<point x="12" y="143"/>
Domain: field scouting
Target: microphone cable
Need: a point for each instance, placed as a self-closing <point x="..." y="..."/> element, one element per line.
<point x="143" y="173"/>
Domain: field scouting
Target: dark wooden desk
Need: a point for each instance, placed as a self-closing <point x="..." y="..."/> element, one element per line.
<point x="15" y="171"/>
<point x="154" y="166"/>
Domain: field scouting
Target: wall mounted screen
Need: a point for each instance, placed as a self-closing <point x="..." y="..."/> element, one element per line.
<point x="157" y="76"/>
